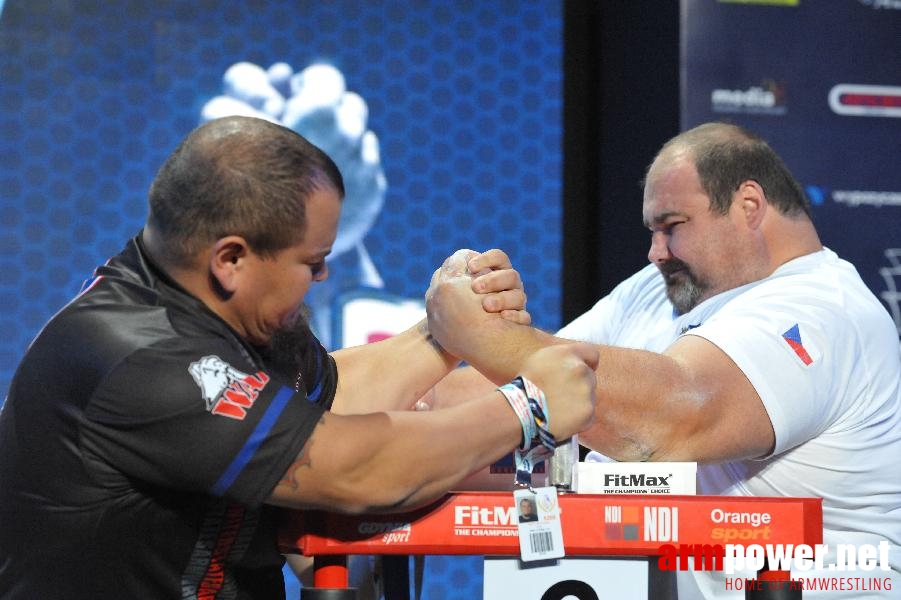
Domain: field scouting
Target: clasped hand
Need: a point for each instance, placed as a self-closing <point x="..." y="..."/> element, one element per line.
<point x="470" y="290"/>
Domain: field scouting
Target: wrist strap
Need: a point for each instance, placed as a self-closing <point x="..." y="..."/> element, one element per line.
<point x="530" y="405"/>
<point x="519" y="402"/>
<point x="538" y="407"/>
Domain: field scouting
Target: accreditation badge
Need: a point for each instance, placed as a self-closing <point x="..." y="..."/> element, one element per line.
<point x="540" y="532"/>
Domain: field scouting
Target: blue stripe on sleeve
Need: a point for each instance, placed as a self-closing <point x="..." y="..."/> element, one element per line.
<point x="313" y="396"/>
<point x="253" y="442"/>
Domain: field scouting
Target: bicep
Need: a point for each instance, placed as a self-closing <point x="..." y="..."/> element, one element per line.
<point x="728" y="420"/>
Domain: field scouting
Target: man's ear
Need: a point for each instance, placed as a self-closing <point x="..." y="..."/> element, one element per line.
<point x="753" y="202"/>
<point x="228" y="262"/>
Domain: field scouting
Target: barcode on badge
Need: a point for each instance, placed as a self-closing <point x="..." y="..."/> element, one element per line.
<point x="541" y="542"/>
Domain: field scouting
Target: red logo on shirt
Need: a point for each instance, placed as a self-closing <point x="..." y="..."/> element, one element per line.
<point x="793" y="338"/>
<point x="227" y="391"/>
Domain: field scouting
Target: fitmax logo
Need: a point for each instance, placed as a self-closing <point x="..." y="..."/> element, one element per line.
<point x="482" y="515"/>
<point x="635" y="480"/>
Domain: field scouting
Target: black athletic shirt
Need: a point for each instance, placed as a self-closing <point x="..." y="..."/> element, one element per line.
<point x="138" y="442"/>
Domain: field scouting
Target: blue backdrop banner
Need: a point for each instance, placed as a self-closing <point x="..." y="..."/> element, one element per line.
<point x="821" y="82"/>
<point x="446" y="119"/>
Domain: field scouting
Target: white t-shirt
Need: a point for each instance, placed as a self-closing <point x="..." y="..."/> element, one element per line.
<point x="824" y="357"/>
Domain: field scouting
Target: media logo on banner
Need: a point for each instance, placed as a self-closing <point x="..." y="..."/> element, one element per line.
<point x="768" y="98"/>
<point x="853" y="198"/>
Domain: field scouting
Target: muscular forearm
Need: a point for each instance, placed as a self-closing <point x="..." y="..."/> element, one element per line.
<point x="499" y="348"/>
<point x="414" y="360"/>
<point x="397" y="461"/>
<point x="636" y="417"/>
<point x="461" y="385"/>
<point x="690" y="403"/>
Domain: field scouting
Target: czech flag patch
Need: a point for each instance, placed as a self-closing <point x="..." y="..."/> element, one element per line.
<point x="804" y="351"/>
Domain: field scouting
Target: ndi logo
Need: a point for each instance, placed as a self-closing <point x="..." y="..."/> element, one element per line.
<point x="656" y="523"/>
<point x="661" y="524"/>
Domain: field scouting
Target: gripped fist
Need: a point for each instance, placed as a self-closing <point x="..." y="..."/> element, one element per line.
<point x="470" y="292"/>
<point x="566" y="375"/>
<point x="455" y="265"/>
<point x="501" y="286"/>
<point x="453" y="309"/>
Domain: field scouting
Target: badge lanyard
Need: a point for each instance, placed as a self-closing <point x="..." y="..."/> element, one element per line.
<point x="540" y="531"/>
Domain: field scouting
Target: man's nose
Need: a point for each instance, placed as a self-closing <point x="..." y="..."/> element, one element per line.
<point x="659" y="250"/>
